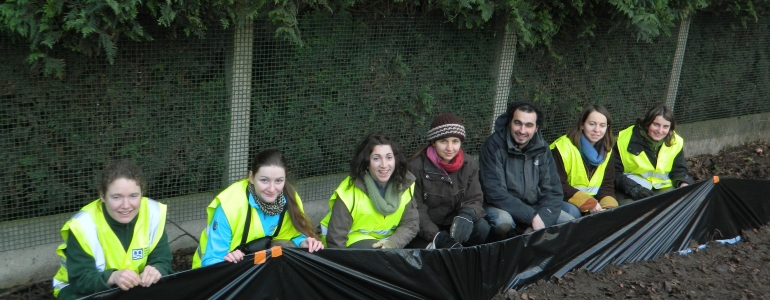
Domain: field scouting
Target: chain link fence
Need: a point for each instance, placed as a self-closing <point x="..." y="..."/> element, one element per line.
<point x="192" y="112"/>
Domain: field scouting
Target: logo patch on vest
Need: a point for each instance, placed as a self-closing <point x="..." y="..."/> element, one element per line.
<point x="537" y="162"/>
<point x="214" y="226"/>
<point x="137" y="254"/>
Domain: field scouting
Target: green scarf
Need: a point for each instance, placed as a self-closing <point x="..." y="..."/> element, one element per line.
<point x="385" y="206"/>
<point x="655" y="145"/>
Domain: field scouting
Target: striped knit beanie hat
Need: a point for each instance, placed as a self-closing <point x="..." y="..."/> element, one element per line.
<point x="446" y="125"/>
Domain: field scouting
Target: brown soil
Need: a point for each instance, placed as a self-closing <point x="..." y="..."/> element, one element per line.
<point x="718" y="272"/>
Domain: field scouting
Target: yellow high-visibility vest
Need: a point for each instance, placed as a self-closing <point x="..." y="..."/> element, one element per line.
<point x="367" y="222"/>
<point x="577" y="176"/>
<point x="235" y="204"/>
<point x="97" y="239"/>
<point x="640" y="169"/>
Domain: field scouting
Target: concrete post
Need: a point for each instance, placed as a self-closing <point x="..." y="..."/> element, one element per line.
<point x="676" y="69"/>
<point x="504" y="70"/>
<point x="240" y="102"/>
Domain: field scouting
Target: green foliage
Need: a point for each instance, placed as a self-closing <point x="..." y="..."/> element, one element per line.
<point x="165" y="112"/>
<point x="358" y="75"/>
<point x="612" y="69"/>
<point x="97" y="27"/>
<point x="725" y="73"/>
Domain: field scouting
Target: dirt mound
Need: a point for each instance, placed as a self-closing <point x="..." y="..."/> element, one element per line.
<point x="750" y="161"/>
<point x="718" y="272"/>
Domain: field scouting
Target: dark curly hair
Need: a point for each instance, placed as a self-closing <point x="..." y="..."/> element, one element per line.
<point x="360" y="163"/>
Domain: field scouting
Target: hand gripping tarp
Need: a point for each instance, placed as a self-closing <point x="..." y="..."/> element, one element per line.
<point x="646" y="229"/>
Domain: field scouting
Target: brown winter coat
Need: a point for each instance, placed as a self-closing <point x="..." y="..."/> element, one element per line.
<point x="440" y="197"/>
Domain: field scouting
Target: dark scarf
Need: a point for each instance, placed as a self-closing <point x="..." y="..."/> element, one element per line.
<point x="654" y="145"/>
<point x="270" y="209"/>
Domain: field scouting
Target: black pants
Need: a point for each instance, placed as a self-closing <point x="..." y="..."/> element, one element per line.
<point x="624" y="198"/>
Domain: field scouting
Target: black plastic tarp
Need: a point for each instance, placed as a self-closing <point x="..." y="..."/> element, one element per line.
<point x="643" y="230"/>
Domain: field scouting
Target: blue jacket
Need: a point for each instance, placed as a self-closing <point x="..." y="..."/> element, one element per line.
<point x="220" y="235"/>
<point x="520" y="182"/>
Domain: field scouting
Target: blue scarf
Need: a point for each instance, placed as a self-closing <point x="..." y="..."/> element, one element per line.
<point x="589" y="153"/>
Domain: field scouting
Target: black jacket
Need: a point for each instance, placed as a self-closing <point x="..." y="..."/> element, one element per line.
<point x="521" y="182"/>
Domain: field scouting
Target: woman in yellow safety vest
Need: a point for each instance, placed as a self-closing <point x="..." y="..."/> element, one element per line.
<point x="117" y="240"/>
<point x="373" y="207"/>
<point x="255" y="213"/>
<point x="584" y="162"/>
<point x="649" y="157"/>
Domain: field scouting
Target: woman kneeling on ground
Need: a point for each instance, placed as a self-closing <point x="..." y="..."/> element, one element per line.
<point x="118" y="240"/>
<point x="255" y="213"/>
<point x="583" y="159"/>
<point x="447" y="191"/>
<point x="649" y="157"/>
<point x="373" y="207"/>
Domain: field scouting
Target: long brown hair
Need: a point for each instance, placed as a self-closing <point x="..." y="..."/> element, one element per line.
<point x="576" y="132"/>
<point x="275" y="158"/>
<point x="663" y="111"/>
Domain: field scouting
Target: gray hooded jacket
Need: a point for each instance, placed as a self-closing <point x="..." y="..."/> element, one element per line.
<point x="520" y="182"/>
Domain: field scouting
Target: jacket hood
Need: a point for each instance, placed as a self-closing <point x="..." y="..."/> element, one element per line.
<point x="500" y="122"/>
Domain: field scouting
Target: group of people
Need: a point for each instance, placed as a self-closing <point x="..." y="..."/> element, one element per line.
<point x="437" y="198"/>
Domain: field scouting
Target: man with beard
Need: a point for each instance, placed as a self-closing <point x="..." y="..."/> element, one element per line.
<point x="521" y="187"/>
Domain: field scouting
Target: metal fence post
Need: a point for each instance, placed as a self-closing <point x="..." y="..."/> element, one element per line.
<point x="676" y="69"/>
<point x="240" y="102"/>
<point x="503" y="74"/>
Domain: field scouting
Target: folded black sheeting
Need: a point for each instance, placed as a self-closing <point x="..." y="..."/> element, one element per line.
<point x="639" y="231"/>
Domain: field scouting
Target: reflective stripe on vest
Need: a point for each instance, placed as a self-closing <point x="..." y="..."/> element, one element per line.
<point x="367" y="222"/>
<point x="639" y="168"/>
<point x="577" y="176"/>
<point x="388" y="232"/>
<point x="87" y="234"/>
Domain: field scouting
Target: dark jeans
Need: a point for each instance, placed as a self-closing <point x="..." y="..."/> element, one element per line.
<point x="503" y="226"/>
<point x="478" y="236"/>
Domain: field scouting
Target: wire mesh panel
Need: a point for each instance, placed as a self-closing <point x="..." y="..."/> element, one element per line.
<point x="193" y="112"/>
<point x="611" y="69"/>
<point x="726" y="71"/>
<point x="357" y="75"/>
<point x="161" y="105"/>
<point x="175" y="107"/>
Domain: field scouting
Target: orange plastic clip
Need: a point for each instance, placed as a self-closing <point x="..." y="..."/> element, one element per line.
<point x="261" y="256"/>
<point x="716" y="179"/>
